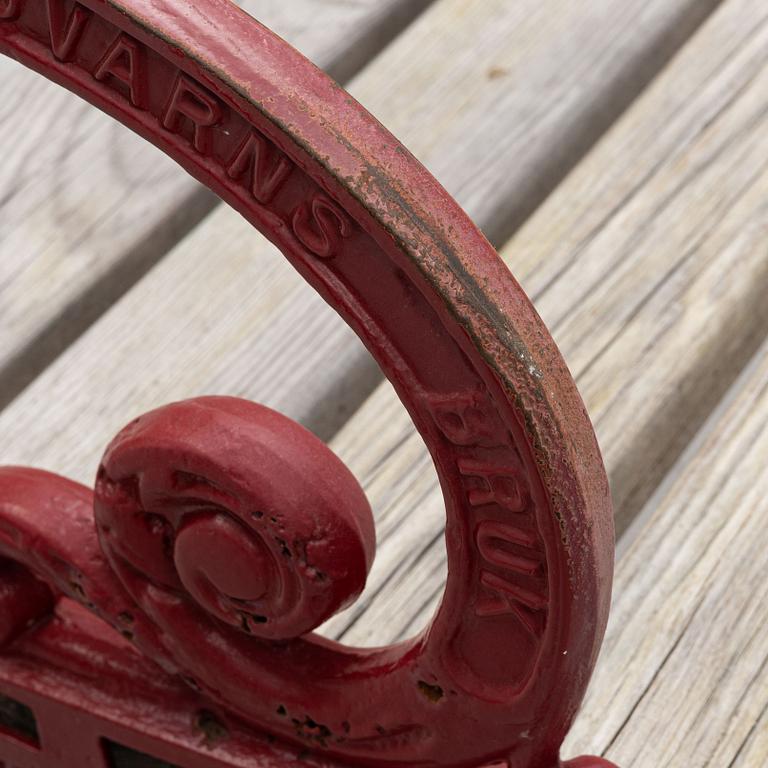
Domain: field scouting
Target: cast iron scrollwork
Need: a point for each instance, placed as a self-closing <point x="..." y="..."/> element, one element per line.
<point x="220" y="533"/>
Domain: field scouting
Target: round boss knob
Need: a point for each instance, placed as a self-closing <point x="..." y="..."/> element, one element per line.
<point x="240" y="508"/>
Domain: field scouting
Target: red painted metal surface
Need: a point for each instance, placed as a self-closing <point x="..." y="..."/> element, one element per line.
<point x="170" y="612"/>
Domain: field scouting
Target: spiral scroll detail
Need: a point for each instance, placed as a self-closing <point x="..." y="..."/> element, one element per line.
<point x="237" y="509"/>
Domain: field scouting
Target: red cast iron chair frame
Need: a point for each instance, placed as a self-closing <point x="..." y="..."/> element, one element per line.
<point x="498" y="675"/>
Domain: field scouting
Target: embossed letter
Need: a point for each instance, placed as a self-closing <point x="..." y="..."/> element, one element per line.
<point x="9" y="9"/>
<point x="501" y="485"/>
<point x="320" y="224"/>
<point x="66" y="32"/>
<point x="503" y="592"/>
<point x="467" y="418"/>
<point x="491" y="534"/>
<point x="125" y="61"/>
<point x="192" y="102"/>
<point x="268" y="167"/>
<point x="507" y="597"/>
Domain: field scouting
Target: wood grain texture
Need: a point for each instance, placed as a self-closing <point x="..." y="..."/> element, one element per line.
<point x="650" y="264"/>
<point x="458" y="87"/>
<point x="683" y="676"/>
<point x="668" y="215"/>
<point x="87" y="207"/>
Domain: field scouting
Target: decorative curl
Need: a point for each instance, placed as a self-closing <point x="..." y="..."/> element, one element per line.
<point x="238" y="508"/>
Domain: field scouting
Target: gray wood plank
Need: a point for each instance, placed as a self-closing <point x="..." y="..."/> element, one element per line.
<point x="683" y="677"/>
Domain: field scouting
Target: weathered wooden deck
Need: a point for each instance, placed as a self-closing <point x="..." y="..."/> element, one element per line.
<point x="616" y="152"/>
